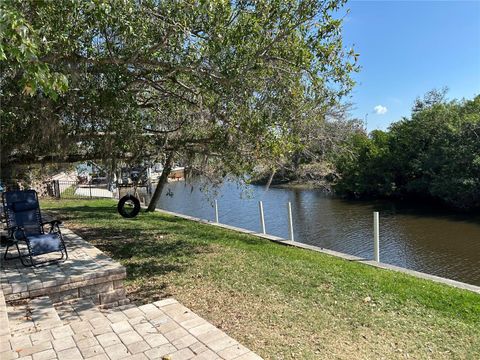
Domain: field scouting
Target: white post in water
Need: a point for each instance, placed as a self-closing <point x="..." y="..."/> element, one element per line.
<point x="216" y="211"/>
<point x="262" y="219"/>
<point x="376" y="237"/>
<point x="290" y="221"/>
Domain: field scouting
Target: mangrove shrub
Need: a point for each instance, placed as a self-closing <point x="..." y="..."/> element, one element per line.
<point x="433" y="154"/>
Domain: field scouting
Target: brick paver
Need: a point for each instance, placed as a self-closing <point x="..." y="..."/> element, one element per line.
<point x="87" y="273"/>
<point x="40" y="327"/>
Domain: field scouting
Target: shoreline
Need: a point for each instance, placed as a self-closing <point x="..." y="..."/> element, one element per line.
<point x="402" y="201"/>
<point x="380" y="265"/>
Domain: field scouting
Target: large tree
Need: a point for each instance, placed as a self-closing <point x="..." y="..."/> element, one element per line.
<point x="217" y="84"/>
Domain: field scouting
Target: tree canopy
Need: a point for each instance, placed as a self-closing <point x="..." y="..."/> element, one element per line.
<point x="433" y="154"/>
<point x="191" y="80"/>
<point x="202" y="76"/>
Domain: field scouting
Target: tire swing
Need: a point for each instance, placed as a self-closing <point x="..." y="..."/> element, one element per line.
<point x="128" y="206"/>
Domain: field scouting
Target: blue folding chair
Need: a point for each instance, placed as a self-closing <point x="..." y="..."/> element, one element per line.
<point x="24" y="224"/>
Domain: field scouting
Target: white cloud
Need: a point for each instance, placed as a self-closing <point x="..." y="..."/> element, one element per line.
<point x="380" y="109"/>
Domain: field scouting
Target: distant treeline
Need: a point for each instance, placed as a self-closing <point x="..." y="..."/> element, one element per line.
<point x="433" y="154"/>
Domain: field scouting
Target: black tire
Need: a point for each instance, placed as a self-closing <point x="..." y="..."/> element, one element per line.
<point x="124" y="211"/>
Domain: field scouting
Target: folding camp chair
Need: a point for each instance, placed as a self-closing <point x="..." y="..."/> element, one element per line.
<point x="24" y="224"/>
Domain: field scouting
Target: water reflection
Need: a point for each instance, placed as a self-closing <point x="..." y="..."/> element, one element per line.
<point x="419" y="238"/>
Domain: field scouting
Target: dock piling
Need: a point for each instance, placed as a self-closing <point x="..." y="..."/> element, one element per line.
<point x="216" y="211"/>
<point x="262" y="218"/>
<point x="290" y="221"/>
<point x="376" y="237"/>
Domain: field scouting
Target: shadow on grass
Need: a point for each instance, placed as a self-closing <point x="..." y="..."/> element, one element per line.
<point x="144" y="253"/>
<point x="150" y="247"/>
<point x="107" y="212"/>
<point x="86" y="212"/>
<point x="145" y="221"/>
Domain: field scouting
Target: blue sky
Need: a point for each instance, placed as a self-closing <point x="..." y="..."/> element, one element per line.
<point x="408" y="48"/>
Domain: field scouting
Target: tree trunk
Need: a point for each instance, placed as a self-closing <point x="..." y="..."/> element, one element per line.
<point x="270" y="179"/>
<point x="167" y="169"/>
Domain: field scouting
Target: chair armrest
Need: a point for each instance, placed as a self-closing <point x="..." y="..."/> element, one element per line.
<point x="54" y="225"/>
<point x="52" y="222"/>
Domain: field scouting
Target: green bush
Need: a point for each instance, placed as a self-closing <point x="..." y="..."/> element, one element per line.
<point x="434" y="154"/>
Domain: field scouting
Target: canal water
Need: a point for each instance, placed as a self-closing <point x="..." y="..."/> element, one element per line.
<point x="416" y="237"/>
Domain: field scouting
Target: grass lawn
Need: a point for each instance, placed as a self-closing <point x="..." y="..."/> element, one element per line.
<point x="282" y="302"/>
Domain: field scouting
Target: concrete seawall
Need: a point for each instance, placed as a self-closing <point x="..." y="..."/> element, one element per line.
<point x="344" y="256"/>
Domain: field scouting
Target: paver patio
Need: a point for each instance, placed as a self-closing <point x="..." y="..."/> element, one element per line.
<point x="78" y="310"/>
